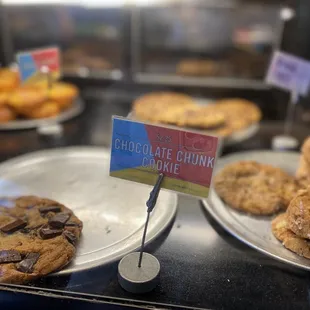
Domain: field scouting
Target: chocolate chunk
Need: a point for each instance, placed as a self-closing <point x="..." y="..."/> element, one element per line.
<point x="70" y="237"/>
<point x="47" y="209"/>
<point x="13" y="226"/>
<point x="59" y="220"/>
<point x="25" y="230"/>
<point x="73" y="224"/>
<point x="27" y="264"/>
<point x="47" y="233"/>
<point x="9" y="256"/>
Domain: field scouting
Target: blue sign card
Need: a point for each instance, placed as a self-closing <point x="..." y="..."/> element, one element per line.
<point x="289" y="72"/>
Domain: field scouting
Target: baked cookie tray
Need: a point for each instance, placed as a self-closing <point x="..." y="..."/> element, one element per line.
<point x="200" y="262"/>
<point x="76" y="109"/>
<point x="255" y="231"/>
<point x="236" y="137"/>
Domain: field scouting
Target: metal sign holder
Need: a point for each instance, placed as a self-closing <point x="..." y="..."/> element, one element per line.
<point x="138" y="272"/>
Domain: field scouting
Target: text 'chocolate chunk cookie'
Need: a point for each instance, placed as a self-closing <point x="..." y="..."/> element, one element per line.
<point x="255" y="188"/>
<point x="29" y="246"/>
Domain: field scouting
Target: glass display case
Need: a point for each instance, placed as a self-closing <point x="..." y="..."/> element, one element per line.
<point x="211" y="43"/>
<point x="155" y="42"/>
<point x="90" y="38"/>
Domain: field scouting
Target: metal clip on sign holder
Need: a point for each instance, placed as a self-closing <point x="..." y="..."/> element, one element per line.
<point x="138" y="272"/>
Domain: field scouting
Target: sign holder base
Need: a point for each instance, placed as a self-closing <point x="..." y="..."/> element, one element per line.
<point x="135" y="279"/>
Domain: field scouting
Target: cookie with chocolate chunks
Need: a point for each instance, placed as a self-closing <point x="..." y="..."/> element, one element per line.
<point x="33" y="244"/>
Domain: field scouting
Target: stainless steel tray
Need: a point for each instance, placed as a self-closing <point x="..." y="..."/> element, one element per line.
<point x="113" y="211"/>
<point x="75" y="110"/>
<point x="252" y="230"/>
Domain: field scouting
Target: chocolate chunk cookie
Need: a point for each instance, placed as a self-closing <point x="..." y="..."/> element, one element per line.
<point x="255" y="188"/>
<point x="35" y="239"/>
<point x="290" y="240"/>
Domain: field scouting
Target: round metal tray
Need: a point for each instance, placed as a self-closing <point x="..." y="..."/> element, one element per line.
<point x="75" y="110"/>
<point x="255" y="231"/>
<point x="113" y="211"/>
<point x="235" y="138"/>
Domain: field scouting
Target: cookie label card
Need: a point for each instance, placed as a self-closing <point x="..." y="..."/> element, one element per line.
<point x="140" y="152"/>
<point x="289" y="72"/>
<point x="32" y="64"/>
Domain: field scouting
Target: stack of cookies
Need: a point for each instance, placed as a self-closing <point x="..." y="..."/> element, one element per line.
<point x="303" y="171"/>
<point x="292" y="228"/>
<point x="37" y="236"/>
<point x="221" y="118"/>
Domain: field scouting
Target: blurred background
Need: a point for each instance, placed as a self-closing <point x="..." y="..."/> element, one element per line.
<point x="119" y="49"/>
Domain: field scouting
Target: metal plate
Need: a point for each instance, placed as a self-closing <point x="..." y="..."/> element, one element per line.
<point x="113" y="211"/>
<point x="75" y="110"/>
<point x="255" y="231"/>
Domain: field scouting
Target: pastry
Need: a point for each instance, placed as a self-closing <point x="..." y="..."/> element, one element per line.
<point x="255" y="188"/>
<point x="303" y="172"/>
<point x="161" y="107"/>
<point x="204" y="117"/>
<point x="9" y="80"/>
<point x="305" y="150"/>
<point x="298" y="214"/>
<point x="290" y="240"/>
<point x="241" y="110"/>
<point x="4" y="98"/>
<point x="6" y="114"/>
<point x="24" y="100"/>
<point x="197" y="67"/>
<point x="37" y="236"/>
<point x="45" y="110"/>
<point x="63" y="94"/>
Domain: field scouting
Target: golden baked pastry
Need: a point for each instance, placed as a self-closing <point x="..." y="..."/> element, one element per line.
<point x="241" y="109"/>
<point x="303" y="172"/>
<point x="239" y="115"/>
<point x="6" y="114"/>
<point x="255" y="188"/>
<point x="298" y="214"/>
<point x="204" y="117"/>
<point x="162" y="107"/>
<point x="290" y="240"/>
<point x="197" y="67"/>
<point x="4" y="96"/>
<point x="305" y="150"/>
<point x="63" y="94"/>
<point x="24" y="100"/>
<point x="44" y="110"/>
<point x="9" y="79"/>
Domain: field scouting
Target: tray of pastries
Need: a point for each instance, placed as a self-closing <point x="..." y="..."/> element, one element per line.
<point x="234" y="119"/>
<point x="263" y="199"/>
<point x="24" y="107"/>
